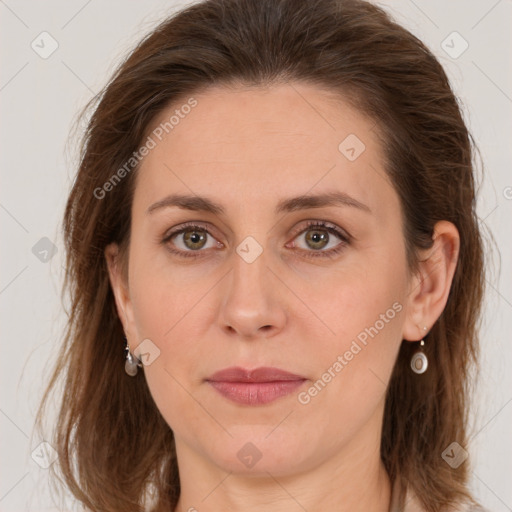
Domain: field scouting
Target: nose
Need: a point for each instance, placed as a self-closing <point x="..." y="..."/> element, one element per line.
<point x="253" y="299"/>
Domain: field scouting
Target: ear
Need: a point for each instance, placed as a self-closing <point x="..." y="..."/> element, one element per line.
<point x="430" y="287"/>
<point x="121" y="291"/>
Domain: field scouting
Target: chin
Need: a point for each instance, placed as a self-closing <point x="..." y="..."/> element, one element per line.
<point x="252" y="451"/>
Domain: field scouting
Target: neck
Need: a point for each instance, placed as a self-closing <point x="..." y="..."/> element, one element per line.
<point x="353" y="479"/>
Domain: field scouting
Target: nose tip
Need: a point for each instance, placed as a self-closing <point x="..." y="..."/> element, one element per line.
<point x="251" y="306"/>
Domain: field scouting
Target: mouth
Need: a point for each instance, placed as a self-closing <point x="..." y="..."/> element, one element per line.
<point x="254" y="387"/>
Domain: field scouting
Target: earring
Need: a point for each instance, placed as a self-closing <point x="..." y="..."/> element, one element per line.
<point x="132" y="363"/>
<point x="419" y="361"/>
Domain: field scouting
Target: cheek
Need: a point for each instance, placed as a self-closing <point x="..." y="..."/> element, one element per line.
<point x="163" y="294"/>
<point x="364" y="346"/>
<point x="367" y="293"/>
<point x="364" y="309"/>
<point x="169" y="311"/>
<point x="351" y="369"/>
<point x="164" y="313"/>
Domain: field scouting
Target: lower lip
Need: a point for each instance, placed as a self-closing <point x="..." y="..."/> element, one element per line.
<point x="256" y="393"/>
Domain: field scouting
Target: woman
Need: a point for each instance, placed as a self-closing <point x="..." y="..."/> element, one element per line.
<point x="275" y="268"/>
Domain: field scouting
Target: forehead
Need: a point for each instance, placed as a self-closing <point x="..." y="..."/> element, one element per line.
<point x="238" y="143"/>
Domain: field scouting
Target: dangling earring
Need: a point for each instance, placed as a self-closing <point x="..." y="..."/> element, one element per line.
<point x="419" y="361"/>
<point x="132" y="363"/>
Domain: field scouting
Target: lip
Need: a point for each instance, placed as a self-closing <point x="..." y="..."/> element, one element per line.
<point x="262" y="374"/>
<point x="254" y="387"/>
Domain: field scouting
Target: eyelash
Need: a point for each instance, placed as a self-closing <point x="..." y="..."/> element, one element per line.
<point x="331" y="228"/>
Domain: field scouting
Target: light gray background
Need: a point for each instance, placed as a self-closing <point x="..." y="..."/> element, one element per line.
<point x="39" y="100"/>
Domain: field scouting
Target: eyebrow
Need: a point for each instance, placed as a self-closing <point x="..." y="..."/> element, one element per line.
<point x="304" y="202"/>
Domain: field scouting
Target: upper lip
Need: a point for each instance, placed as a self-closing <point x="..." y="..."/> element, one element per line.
<point x="262" y="374"/>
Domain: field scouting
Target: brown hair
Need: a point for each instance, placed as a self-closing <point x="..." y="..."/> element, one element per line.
<point x="111" y="439"/>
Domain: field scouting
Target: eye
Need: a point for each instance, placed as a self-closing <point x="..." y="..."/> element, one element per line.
<point x="317" y="236"/>
<point x="190" y="239"/>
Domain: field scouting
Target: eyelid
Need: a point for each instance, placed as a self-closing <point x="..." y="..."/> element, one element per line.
<point x="189" y="225"/>
<point x="325" y="225"/>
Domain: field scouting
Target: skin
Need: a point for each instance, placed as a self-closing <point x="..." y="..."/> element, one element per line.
<point x="247" y="148"/>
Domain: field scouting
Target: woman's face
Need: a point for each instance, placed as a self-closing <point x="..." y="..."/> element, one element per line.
<point x="254" y="286"/>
